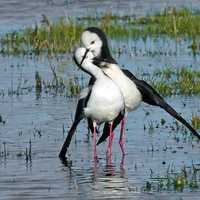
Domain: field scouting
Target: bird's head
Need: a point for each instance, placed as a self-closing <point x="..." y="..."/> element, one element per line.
<point x="94" y="40"/>
<point x="82" y="55"/>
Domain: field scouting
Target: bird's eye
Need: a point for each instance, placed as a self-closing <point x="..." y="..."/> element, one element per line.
<point x="92" y="42"/>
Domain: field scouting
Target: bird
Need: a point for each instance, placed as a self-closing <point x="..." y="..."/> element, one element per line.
<point x="134" y="90"/>
<point x="102" y="102"/>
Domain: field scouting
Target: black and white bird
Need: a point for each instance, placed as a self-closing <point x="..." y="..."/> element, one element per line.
<point x="102" y="102"/>
<point x="134" y="90"/>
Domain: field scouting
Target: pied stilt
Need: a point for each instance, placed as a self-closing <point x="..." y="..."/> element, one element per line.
<point x="102" y="102"/>
<point x="134" y="90"/>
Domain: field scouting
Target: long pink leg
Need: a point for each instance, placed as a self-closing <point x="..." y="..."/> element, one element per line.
<point x="111" y="135"/>
<point x="110" y="169"/>
<point x="94" y="142"/>
<point x="122" y="132"/>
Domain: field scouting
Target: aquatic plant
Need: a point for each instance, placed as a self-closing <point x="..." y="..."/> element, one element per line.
<point x="2" y="120"/>
<point x="183" y="81"/>
<point x="38" y="84"/>
<point x="62" y="35"/>
<point x="4" y="150"/>
<point x="174" y="180"/>
<point x="195" y="121"/>
<point x="27" y="153"/>
<point x="74" y="87"/>
<point x="57" y="37"/>
<point x="173" y="22"/>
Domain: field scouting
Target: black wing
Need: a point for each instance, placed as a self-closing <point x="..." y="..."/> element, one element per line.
<point x="79" y="115"/>
<point x="150" y="96"/>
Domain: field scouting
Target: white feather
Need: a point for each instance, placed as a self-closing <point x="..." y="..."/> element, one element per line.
<point x="132" y="95"/>
<point x="106" y="100"/>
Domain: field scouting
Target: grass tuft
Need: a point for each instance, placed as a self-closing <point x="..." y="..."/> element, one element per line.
<point x="184" y="81"/>
<point x="196" y="121"/>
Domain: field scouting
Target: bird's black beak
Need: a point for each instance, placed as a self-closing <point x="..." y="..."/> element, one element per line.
<point x="84" y="56"/>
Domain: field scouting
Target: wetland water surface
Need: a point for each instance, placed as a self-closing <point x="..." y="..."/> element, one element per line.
<point x="161" y="162"/>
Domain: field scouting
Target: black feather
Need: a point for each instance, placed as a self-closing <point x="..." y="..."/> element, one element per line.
<point x="151" y="97"/>
<point x="79" y="115"/>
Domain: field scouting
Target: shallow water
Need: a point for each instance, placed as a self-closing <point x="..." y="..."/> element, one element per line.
<point x="150" y="152"/>
<point x="45" y="177"/>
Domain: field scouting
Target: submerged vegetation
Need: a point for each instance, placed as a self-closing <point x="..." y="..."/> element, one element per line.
<point x="62" y="35"/>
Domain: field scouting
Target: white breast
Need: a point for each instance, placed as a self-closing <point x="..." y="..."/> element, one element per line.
<point x="106" y="101"/>
<point x="132" y="95"/>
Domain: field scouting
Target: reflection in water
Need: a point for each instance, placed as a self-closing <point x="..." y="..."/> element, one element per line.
<point x="97" y="181"/>
<point x="44" y="177"/>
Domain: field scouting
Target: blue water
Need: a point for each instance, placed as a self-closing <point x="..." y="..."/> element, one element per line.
<point x="149" y="152"/>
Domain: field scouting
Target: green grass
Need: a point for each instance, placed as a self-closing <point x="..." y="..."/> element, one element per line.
<point x="61" y="36"/>
<point x="58" y="37"/>
<point x="184" y="81"/>
<point x="196" y="121"/>
<point x="167" y="82"/>
<point x="173" y="22"/>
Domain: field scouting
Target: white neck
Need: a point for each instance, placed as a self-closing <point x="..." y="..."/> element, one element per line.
<point x="92" y="69"/>
<point x="113" y="70"/>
